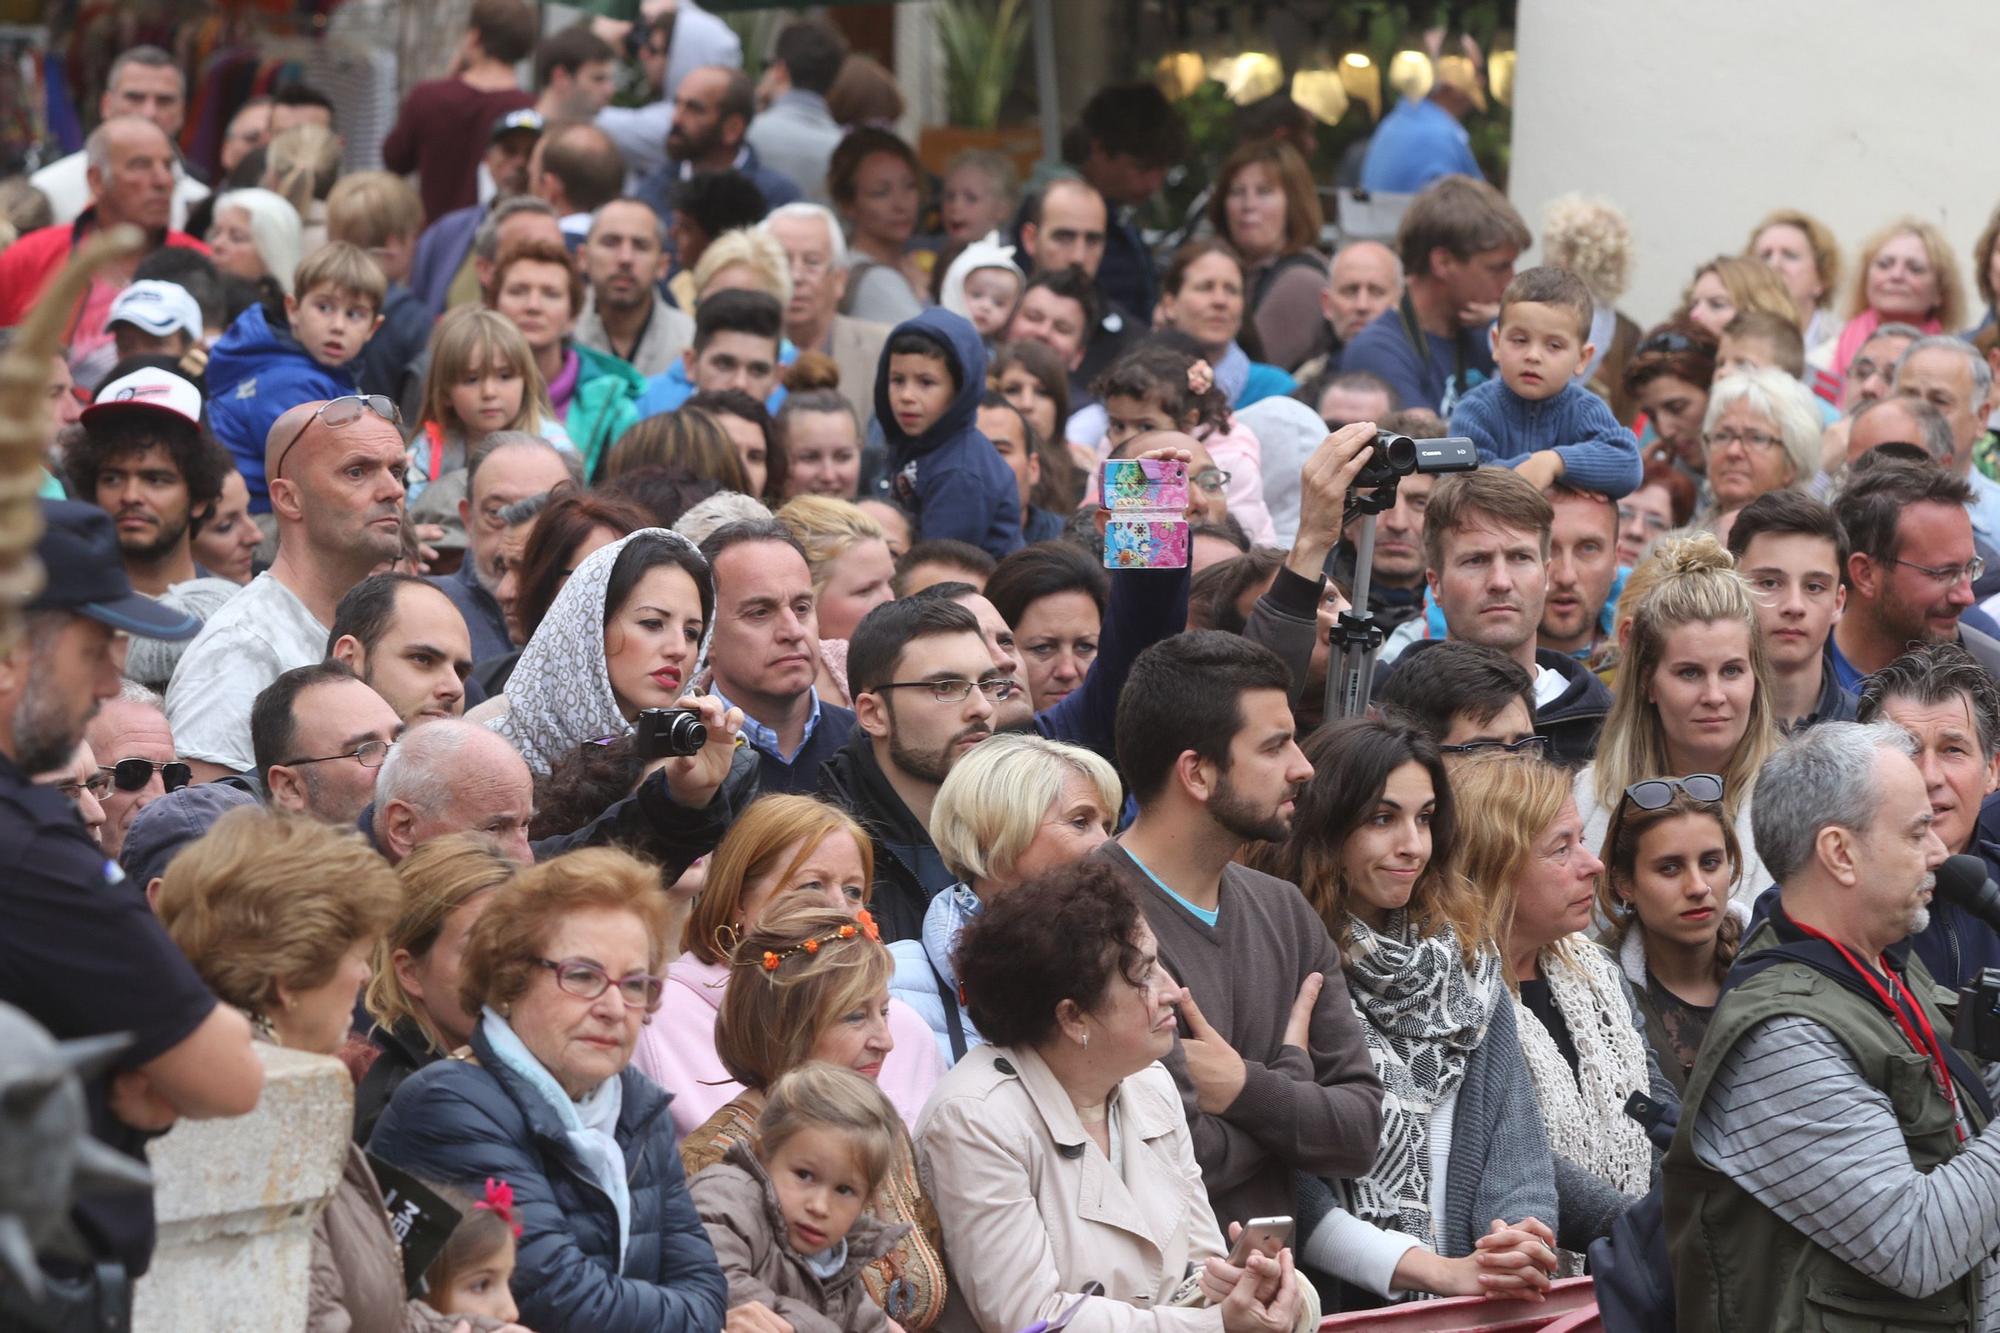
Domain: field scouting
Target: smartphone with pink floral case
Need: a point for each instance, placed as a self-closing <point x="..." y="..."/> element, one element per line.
<point x="1148" y="499"/>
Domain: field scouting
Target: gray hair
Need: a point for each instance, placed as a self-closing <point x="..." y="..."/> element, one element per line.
<point x="1823" y="777"/>
<point x="486" y="240"/>
<point x="132" y="692"/>
<point x="836" y="239"/>
<point x="1936" y="431"/>
<point x="1779" y="399"/>
<point x="421" y="765"/>
<point x="719" y="511"/>
<point x="152" y="57"/>
<point x="508" y="439"/>
<point x="521" y="511"/>
<point x="97" y="148"/>
<point x="1982" y="374"/>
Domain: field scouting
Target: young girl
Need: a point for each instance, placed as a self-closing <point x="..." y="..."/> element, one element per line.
<point x="470" y="1274"/>
<point x="482" y="379"/>
<point x="787" y="1212"/>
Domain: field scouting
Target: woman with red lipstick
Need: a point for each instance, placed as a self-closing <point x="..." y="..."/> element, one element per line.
<point x="1052" y="595"/>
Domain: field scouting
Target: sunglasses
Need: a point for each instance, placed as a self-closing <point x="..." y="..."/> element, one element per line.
<point x="1658" y="793"/>
<point x="1666" y="342"/>
<point x="134" y="774"/>
<point x="338" y="412"/>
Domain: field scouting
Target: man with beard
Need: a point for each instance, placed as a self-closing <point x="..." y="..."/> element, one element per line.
<point x="712" y="110"/>
<point x="407" y="643"/>
<point x="80" y="952"/>
<point x="335" y="470"/>
<point x="1207" y="746"/>
<point x="624" y="258"/>
<point x="142" y="457"/>
<point x="925" y="692"/>
<point x="1583" y="566"/>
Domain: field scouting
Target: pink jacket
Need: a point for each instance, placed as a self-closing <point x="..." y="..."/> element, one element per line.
<point x="677" y="1049"/>
<point x="1238" y="452"/>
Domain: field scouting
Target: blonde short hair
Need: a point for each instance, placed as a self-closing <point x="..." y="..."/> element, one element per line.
<point x="827" y="528"/>
<point x="1781" y="400"/>
<point x="818" y="1095"/>
<point x="268" y="900"/>
<point x="996" y="797"/>
<point x="1950" y="310"/>
<point x="1819" y="239"/>
<point x="1752" y="284"/>
<point x="302" y="164"/>
<point x="773" y="1016"/>
<point x="437" y="878"/>
<point x="1592" y="239"/>
<point x="750" y="852"/>
<point x="372" y="208"/>
<point x="758" y="251"/>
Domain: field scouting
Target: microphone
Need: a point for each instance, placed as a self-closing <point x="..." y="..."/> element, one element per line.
<point x="1963" y="880"/>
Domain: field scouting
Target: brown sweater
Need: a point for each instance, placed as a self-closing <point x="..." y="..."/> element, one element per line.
<point x="1317" y="1111"/>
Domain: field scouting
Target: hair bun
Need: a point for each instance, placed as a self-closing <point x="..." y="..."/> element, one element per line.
<point x="1692" y="553"/>
<point x="812" y="370"/>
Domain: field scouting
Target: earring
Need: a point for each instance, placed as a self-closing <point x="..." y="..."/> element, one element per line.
<point x="1084" y="1041"/>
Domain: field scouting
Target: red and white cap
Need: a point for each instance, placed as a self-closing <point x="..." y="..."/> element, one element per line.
<point x="147" y="389"/>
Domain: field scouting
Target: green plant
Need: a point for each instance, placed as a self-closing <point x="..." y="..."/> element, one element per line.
<point x="983" y="41"/>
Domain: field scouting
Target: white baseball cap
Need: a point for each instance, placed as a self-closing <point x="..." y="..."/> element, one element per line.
<point x="147" y="389"/>
<point x="157" y="307"/>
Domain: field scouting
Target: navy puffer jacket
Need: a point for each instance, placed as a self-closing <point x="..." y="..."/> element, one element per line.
<point x="458" y="1122"/>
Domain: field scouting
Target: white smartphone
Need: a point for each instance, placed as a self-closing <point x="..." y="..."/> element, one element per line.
<point x="1269" y="1234"/>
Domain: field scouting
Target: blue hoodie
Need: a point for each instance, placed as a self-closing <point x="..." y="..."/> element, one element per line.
<point x="256" y="374"/>
<point x="951" y="476"/>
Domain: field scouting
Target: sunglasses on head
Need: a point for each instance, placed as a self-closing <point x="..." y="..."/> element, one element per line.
<point x="1666" y="342"/>
<point x="1658" y="793"/>
<point x="338" y="412"/>
<point x="134" y="774"/>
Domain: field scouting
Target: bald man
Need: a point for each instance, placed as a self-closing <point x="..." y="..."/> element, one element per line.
<point x="144" y="83"/>
<point x="336" y="475"/>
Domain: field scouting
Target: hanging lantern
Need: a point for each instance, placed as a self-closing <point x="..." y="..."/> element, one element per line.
<point x="1252" y="77"/>
<point x="1410" y="74"/>
<point x="1500" y="76"/>
<point x="1179" y="73"/>
<point x="1362" y="81"/>
<point x="1320" y="92"/>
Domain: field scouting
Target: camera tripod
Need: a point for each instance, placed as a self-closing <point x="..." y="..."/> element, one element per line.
<point x="1355" y="638"/>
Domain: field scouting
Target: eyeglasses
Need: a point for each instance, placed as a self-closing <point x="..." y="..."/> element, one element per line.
<point x="1654" y="522"/>
<point x="1950" y="576"/>
<point x="97" y="785"/>
<point x="997" y="688"/>
<point x="1529" y="745"/>
<point x="368" y="754"/>
<point x="338" y="412"/>
<point x="810" y="265"/>
<point x="134" y="774"/>
<point x="1666" y="342"/>
<point x="586" y="980"/>
<point x="1658" y="793"/>
<point x="1749" y="439"/>
<point x="1211" y="479"/>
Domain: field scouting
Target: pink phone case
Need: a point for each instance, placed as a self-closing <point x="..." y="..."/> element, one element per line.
<point x="1130" y="484"/>
<point x="1134" y="541"/>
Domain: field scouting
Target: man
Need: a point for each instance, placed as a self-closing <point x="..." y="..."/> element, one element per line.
<point x="1421" y="139"/>
<point x="407" y="642"/>
<point x="624" y="260"/>
<point x="712" y="111"/>
<point x="1583" y="569"/>
<point x="80" y="784"/>
<point x="320" y="736"/>
<point x="941" y="560"/>
<point x="444" y="270"/>
<point x="576" y="171"/>
<point x="576" y="72"/>
<point x="337" y="498"/>
<point x="1871" y="375"/>
<point x="677" y="40"/>
<point x="814" y="244"/>
<point x="1470" y="698"/>
<point x="1951" y="708"/>
<point x="924" y="691"/>
<point x="1905" y="421"/>
<point x="796" y="134"/>
<point x="1792" y="550"/>
<point x="80" y="951"/>
<point x="1065" y="225"/>
<point x="145" y="82"/>
<point x="763" y="653"/>
<point x="1365" y="279"/>
<point x="1831" y="1136"/>
<point x="1910" y="568"/>
<point x="440" y="119"/>
<point x="131" y="739"/>
<point x="1206" y="744"/>
<point x="1059" y="311"/>
<point x="1124" y="141"/>
<point x="300" y="104"/>
<point x="1458" y="243"/>
<point x="1356" y="395"/>
<point x="143" y="458"/>
<point x="1486" y="560"/>
<point x="1011" y="435"/>
<point x="508" y="467"/>
<point x="736" y="337"/>
<point x="1952" y="376"/>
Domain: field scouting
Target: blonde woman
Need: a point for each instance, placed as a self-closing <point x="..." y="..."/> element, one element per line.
<point x="302" y="163"/>
<point x="1592" y="239"/>
<point x="743" y="259"/>
<point x="1693" y="695"/>
<point x="1726" y="286"/>
<point x="1907" y="275"/>
<point x="851" y="570"/>
<point x="1807" y="257"/>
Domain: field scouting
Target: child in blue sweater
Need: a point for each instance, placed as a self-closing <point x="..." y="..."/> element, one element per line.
<point x="1537" y="417"/>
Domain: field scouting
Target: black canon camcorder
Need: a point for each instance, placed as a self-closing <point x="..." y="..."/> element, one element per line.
<point x="1977" y="1026"/>
<point x="1392" y="457"/>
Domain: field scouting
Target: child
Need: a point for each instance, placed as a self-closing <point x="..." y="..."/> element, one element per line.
<point x="382" y="214"/>
<point x="927" y="390"/>
<point x="1537" y="417"/>
<point x="482" y="378"/>
<point x="470" y="1274"/>
<point x="1760" y="340"/>
<point x="984" y="284"/>
<point x="787" y="1218"/>
<point x="275" y="357"/>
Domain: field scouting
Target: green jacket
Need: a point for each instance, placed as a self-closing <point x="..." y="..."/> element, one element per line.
<point x="1737" y="1267"/>
<point x="602" y="406"/>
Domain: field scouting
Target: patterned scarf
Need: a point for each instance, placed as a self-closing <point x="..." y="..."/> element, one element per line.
<point x="1422" y="1014"/>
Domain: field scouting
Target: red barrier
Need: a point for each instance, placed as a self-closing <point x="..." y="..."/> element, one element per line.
<point x="1567" y="1299"/>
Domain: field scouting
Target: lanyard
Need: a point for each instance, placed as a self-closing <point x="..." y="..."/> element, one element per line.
<point x="1420" y="342"/>
<point x="1926" y="1044"/>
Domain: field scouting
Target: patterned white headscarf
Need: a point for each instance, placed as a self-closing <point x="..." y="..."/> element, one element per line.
<point x="560" y="693"/>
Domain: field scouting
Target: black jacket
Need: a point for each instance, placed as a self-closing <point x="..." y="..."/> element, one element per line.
<point x="1572" y="719"/>
<point x="908" y="870"/>
<point x="404" y="1049"/>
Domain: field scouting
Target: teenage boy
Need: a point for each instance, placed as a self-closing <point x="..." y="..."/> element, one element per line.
<point x="1792" y="549"/>
<point x="274" y="358"/>
<point x="1538" y="418"/>
<point x="736" y="335"/>
<point x="927" y="393"/>
<point x="1469" y="697"/>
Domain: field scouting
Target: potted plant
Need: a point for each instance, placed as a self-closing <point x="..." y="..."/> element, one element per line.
<point x="983" y="42"/>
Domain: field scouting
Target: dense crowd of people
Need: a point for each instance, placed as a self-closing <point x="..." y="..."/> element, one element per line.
<point x="605" y="627"/>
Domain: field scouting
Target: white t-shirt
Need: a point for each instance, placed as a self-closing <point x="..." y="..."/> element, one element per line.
<point x="66" y="183"/>
<point x="257" y="636"/>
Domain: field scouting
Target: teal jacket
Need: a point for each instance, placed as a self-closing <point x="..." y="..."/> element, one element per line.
<point x="604" y="404"/>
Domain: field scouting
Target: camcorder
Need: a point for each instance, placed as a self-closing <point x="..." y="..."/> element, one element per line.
<point x="669" y="733"/>
<point x="1977" y="1026"/>
<point x="1392" y="457"/>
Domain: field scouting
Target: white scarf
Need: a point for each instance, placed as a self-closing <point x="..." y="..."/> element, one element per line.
<point x="1584" y="1112"/>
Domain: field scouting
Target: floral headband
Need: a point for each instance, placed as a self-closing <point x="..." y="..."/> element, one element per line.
<point x="863" y="924"/>
<point x="499" y="1201"/>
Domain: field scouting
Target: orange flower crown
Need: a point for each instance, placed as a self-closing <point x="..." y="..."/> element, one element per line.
<point x="862" y="925"/>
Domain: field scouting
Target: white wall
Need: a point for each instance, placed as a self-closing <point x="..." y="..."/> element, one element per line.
<point x="1698" y="116"/>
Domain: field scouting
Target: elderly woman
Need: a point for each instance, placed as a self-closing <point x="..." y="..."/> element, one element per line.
<point x="1807" y="259"/>
<point x="1907" y="275"/>
<point x="413" y="992"/>
<point x="1760" y="433"/>
<point x="812" y="983"/>
<point x="1265" y="204"/>
<point x="280" y="915"/>
<point x="1013" y="807"/>
<point x="876" y="184"/>
<point x="256" y="234"/>
<point x="783" y="848"/>
<point x="1203" y="296"/>
<point x="1059" y="1156"/>
<point x="1592" y="239"/>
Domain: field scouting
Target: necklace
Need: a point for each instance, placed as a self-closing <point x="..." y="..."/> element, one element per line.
<point x="1093" y="1115"/>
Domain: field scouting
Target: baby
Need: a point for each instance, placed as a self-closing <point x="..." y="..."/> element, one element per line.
<point x="984" y="284"/>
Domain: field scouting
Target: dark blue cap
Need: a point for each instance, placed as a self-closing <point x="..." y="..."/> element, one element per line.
<point x="158" y="833"/>
<point x="85" y="573"/>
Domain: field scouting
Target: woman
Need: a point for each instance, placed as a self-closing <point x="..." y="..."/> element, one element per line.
<point x="1669" y="377"/>
<point x="1266" y="206"/>
<point x="537" y="286"/>
<point x="1760" y="433"/>
<point x="1908" y="276"/>
<point x="1593" y="239"/>
<point x="1807" y="260"/>
<point x="1013" y="807"/>
<point x="876" y="184"/>
<point x="280" y="914"/>
<point x="687" y="437"/>
<point x="225" y="542"/>
<point x="1693" y="695"/>
<point x="981" y="189"/>
<point x="1670" y="861"/>
<point x="1726" y="286"/>
<point x="256" y="234"/>
<point x="573" y="525"/>
<point x="563" y="971"/>
<point x="811" y="982"/>
<point x="1028" y="374"/>
<point x="1053" y="596"/>
<point x="1523" y="848"/>
<point x="817" y="433"/>
<point x="1462" y="1150"/>
<point x="1986" y="273"/>
<point x="622" y="636"/>
<point x="413" y="992"/>
<point x="1058" y="1156"/>
<point x="782" y="848"/>
<point x="850" y="562"/>
<point x="301" y="165"/>
<point x="746" y="424"/>
<point x="1664" y="501"/>
<point x="1202" y="295"/>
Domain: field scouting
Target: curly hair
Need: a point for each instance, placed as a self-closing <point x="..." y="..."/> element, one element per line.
<point x="1061" y="936"/>
<point x="203" y="464"/>
<point x="1591" y="238"/>
<point x="1156" y="372"/>
<point x="772" y="1017"/>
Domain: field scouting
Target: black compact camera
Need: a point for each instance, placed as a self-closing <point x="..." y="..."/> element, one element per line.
<point x="1392" y="457"/>
<point x="1977" y="1026"/>
<point x="669" y="733"/>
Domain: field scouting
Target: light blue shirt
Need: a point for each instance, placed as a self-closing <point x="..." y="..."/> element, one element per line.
<point x="1984" y="508"/>
<point x="1201" y="914"/>
<point x="763" y="739"/>
<point x="1417" y="142"/>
